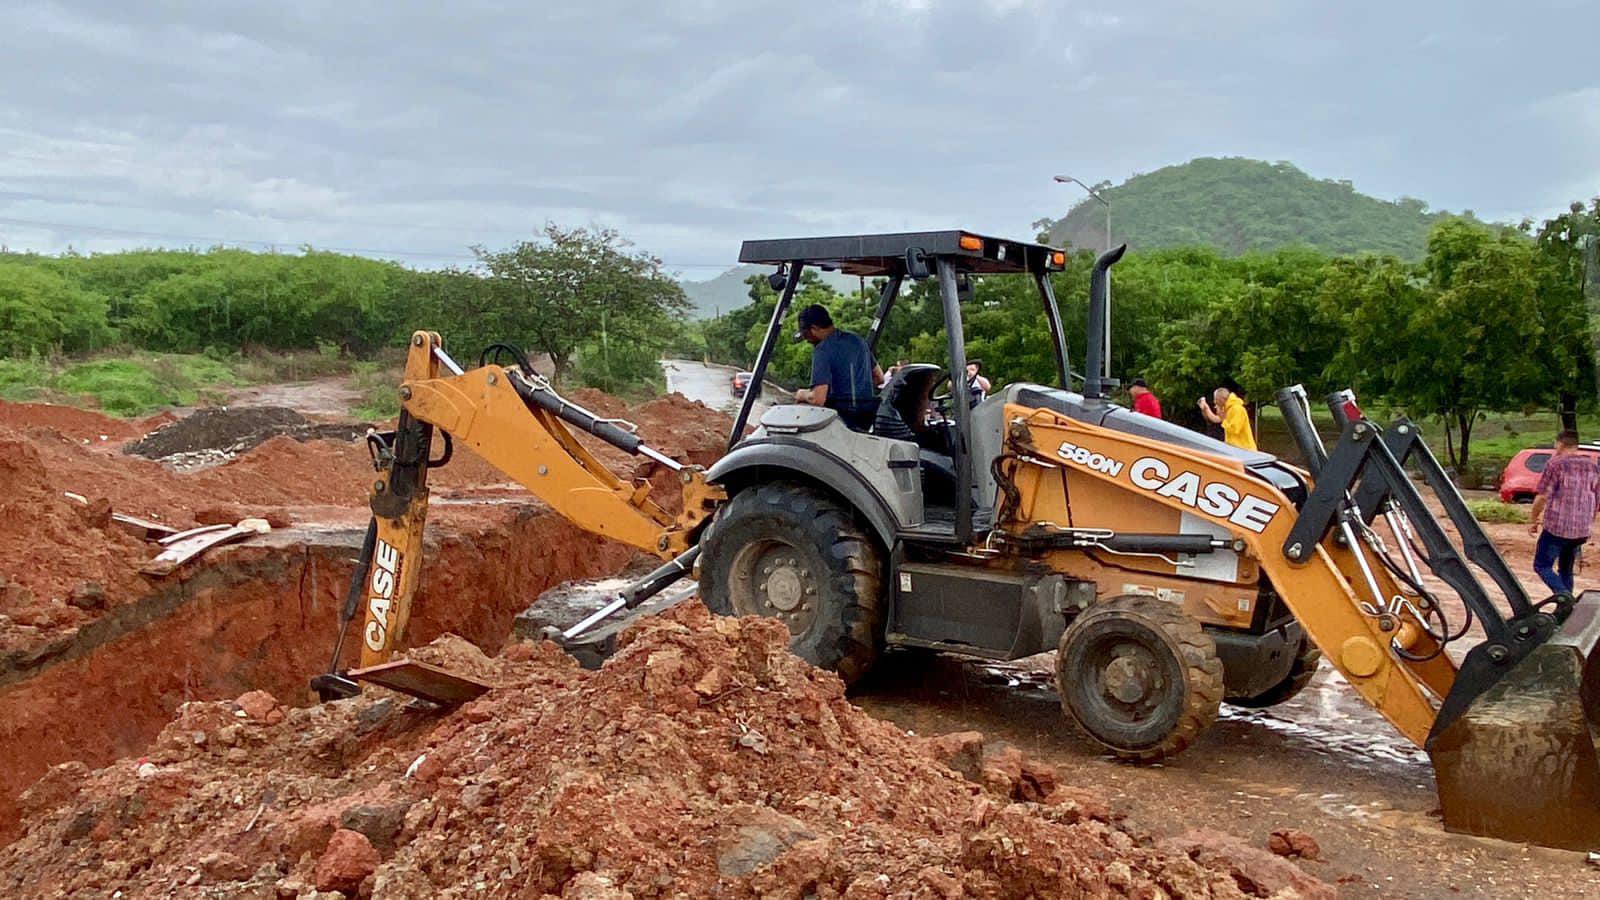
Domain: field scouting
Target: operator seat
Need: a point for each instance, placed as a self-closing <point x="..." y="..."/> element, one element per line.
<point x="903" y="408"/>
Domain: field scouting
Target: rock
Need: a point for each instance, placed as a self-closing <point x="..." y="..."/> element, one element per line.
<point x="232" y="515"/>
<point x="1294" y="842"/>
<point x="347" y="861"/>
<point x="962" y="751"/>
<point x="89" y="595"/>
<point x="715" y="681"/>
<point x="380" y="823"/>
<point x="1255" y="871"/>
<point x="260" y="705"/>
<point x="1073" y="805"/>
<point x="593" y="886"/>
<point x="223" y="866"/>
<point x="96" y="513"/>
<point x="58" y="785"/>
<point x="369" y="718"/>
<point x="663" y="670"/>
<point x="1009" y="774"/>
<point x="759" y="835"/>
<point x="81" y="825"/>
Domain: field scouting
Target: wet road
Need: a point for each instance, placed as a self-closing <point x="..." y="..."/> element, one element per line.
<point x="711" y="385"/>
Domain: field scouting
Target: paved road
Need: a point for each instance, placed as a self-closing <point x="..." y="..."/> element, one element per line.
<point x="709" y="384"/>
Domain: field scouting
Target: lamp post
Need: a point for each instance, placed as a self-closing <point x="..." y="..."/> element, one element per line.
<point x="1106" y="350"/>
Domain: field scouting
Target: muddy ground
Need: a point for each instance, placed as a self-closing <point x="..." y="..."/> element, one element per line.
<point x="96" y="658"/>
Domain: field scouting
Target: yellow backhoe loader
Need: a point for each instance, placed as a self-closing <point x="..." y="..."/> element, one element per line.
<point x="1171" y="572"/>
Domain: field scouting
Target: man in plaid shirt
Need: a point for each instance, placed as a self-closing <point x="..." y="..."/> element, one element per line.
<point x="1569" y="491"/>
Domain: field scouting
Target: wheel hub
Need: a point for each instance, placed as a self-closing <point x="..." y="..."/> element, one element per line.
<point x="1126" y="681"/>
<point x="771" y="579"/>
<point x="783" y="588"/>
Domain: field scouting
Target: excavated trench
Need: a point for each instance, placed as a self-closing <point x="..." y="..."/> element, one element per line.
<point x="259" y="616"/>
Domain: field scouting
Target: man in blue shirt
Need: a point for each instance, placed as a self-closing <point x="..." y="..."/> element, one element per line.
<point x="844" y="376"/>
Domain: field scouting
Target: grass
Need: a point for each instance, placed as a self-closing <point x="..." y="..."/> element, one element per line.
<point x="1495" y="511"/>
<point x="135" y="385"/>
<point x="22" y="380"/>
<point x="126" y="385"/>
<point x="294" y="365"/>
<point x="379" y="384"/>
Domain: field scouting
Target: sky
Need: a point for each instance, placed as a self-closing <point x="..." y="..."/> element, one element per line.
<point x="414" y="131"/>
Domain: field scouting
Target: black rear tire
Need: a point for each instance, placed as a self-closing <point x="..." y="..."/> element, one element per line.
<point x="1140" y="676"/>
<point x="794" y="553"/>
<point x="1300" y="675"/>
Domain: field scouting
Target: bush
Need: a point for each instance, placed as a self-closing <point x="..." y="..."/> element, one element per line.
<point x="625" y="368"/>
<point x="1495" y="511"/>
<point x="136" y="385"/>
<point x="379" y="384"/>
<point x="23" y="379"/>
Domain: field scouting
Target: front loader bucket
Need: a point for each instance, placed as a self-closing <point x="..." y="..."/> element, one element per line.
<point x="1520" y="764"/>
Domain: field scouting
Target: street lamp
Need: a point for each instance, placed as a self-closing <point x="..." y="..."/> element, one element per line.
<point x="1105" y="353"/>
<point x="1068" y="179"/>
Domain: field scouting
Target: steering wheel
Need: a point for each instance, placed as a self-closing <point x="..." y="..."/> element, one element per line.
<point x="942" y="401"/>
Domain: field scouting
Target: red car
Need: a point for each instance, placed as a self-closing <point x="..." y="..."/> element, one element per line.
<point x="741" y="380"/>
<point x="1520" y="481"/>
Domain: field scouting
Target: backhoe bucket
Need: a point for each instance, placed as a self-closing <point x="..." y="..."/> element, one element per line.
<point x="1520" y="764"/>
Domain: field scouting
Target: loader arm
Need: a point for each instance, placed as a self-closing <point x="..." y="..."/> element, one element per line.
<point x="515" y="422"/>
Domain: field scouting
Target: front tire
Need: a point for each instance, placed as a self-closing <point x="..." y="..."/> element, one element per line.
<point x="1140" y="676"/>
<point x="794" y="553"/>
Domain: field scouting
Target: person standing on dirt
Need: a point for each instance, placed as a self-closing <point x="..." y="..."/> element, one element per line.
<point x="1563" y="512"/>
<point x="1144" y="400"/>
<point x="1232" y="416"/>
<point x="844" y="376"/>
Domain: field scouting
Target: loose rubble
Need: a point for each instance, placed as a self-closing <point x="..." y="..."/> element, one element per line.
<point x="640" y="779"/>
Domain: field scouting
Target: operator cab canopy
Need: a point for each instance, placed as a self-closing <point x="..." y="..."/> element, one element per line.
<point x="888" y="255"/>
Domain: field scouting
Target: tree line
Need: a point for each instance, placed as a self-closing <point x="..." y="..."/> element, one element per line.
<point x="595" y="305"/>
<point x="1489" y="319"/>
<point x="1492" y="318"/>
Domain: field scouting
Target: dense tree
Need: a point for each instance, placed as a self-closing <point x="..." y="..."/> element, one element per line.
<point x="1569" y="292"/>
<point x="570" y="285"/>
<point x="42" y="312"/>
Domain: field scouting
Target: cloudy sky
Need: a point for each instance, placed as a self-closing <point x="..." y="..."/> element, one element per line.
<point x="415" y="130"/>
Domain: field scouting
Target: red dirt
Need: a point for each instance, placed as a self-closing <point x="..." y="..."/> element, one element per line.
<point x="282" y="479"/>
<point x="94" y="657"/>
<point x="703" y="760"/>
<point x="260" y="617"/>
<point x="83" y="425"/>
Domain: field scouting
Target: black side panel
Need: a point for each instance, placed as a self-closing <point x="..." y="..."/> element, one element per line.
<point x="757" y="463"/>
<point x="1253" y="663"/>
<point x="961" y="605"/>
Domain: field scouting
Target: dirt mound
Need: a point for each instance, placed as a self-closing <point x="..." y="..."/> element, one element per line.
<point x="58" y="558"/>
<point x="83" y="425"/>
<point x="218" y="433"/>
<point x="703" y="760"/>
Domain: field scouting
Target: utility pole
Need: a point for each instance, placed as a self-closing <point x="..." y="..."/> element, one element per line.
<point x="1106" y="350"/>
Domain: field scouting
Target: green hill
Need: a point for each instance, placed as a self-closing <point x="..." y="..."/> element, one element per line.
<point x="1237" y="204"/>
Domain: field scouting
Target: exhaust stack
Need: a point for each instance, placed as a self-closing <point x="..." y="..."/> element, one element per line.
<point x="1096" y="383"/>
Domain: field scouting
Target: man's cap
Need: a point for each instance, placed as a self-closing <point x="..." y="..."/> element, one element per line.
<point x="1138" y="382"/>
<point x="813" y="316"/>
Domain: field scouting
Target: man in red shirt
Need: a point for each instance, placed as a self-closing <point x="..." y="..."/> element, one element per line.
<point x="1144" y="400"/>
<point x="1569" y="492"/>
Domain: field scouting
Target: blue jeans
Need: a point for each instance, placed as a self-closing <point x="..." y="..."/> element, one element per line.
<point x="1553" y="558"/>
